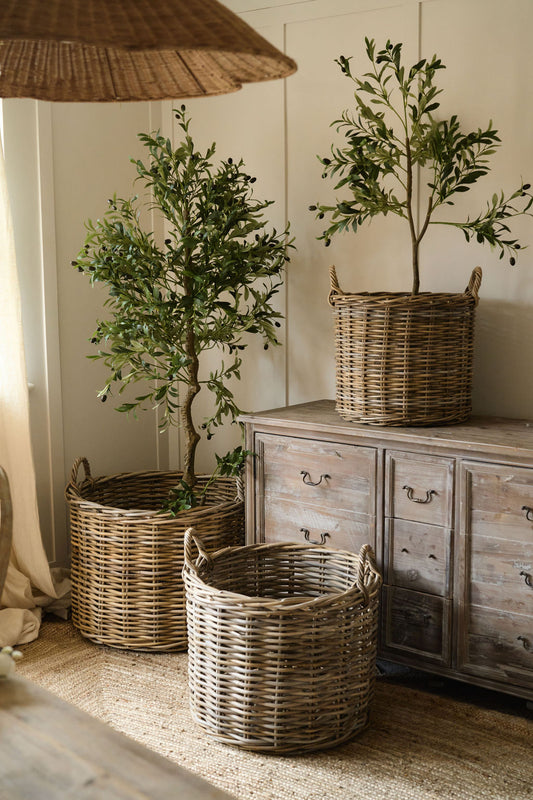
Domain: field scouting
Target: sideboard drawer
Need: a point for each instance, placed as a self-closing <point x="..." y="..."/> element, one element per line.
<point x="413" y="622"/>
<point x="419" y="488"/>
<point x="499" y="645"/>
<point x="295" y="522"/>
<point x="419" y="556"/>
<point x="501" y="501"/>
<point x="501" y="573"/>
<point x="330" y="476"/>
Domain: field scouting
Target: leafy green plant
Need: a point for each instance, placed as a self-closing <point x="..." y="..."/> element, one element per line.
<point x="395" y="131"/>
<point x="205" y="288"/>
<point x="183" y="497"/>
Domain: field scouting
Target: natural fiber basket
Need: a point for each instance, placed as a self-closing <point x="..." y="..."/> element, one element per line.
<point x="282" y="643"/>
<point x="127" y="558"/>
<point x="404" y="359"/>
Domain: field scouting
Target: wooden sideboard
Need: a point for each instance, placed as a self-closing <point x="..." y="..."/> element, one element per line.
<point x="448" y="510"/>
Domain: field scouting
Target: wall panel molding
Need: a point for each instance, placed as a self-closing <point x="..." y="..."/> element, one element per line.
<point x="55" y="468"/>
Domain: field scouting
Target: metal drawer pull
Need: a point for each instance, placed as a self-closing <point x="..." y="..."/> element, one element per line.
<point x="527" y="578"/>
<point x="323" y="536"/>
<point x="529" y="513"/>
<point x="429" y="495"/>
<point x="309" y="482"/>
<point x="526" y="644"/>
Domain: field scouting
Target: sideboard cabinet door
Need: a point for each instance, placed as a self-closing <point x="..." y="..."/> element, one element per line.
<point x="315" y="491"/>
<point x="496" y="540"/>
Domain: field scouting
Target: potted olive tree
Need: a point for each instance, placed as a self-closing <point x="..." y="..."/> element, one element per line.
<point x="406" y="359"/>
<point x="207" y="288"/>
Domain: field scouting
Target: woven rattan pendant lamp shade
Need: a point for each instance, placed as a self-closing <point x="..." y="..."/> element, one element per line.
<point x="117" y="50"/>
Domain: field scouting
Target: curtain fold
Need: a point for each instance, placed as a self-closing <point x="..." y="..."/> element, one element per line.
<point x="30" y="583"/>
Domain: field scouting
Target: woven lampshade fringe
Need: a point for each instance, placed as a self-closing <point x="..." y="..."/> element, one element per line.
<point x="96" y="50"/>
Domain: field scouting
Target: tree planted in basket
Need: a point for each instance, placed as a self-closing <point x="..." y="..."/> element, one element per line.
<point x="205" y="288"/>
<point x="394" y="132"/>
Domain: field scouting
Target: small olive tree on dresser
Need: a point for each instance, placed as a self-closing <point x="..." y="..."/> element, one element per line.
<point x="394" y="131"/>
<point x="407" y="358"/>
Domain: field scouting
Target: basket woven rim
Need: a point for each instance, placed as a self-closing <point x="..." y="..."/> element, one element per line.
<point x="74" y="496"/>
<point x="403" y="298"/>
<point x="288" y="604"/>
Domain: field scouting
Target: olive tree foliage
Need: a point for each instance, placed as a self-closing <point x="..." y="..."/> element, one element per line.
<point x="209" y="285"/>
<point x="395" y="130"/>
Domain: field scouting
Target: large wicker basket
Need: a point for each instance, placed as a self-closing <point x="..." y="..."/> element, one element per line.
<point x="282" y="643"/>
<point x="404" y="359"/>
<point x="127" y="558"/>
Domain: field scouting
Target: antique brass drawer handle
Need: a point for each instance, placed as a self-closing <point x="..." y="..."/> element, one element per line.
<point x="529" y="513"/>
<point x="527" y="578"/>
<point x="428" y="499"/>
<point x="323" y="537"/>
<point x="307" y="478"/>
<point x="526" y="644"/>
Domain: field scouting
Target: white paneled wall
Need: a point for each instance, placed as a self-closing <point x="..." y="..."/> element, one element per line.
<point x="486" y="46"/>
<point x="73" y="157"/>
<point x="92" y="147"/>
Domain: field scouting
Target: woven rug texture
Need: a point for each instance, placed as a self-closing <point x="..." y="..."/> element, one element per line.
<point x="419" y="746"/>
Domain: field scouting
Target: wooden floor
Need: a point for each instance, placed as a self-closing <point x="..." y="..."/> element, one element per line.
<point x="50" y="750"/>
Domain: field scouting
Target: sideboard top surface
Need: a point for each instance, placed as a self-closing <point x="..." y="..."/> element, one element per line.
<point x="494" y="435"/>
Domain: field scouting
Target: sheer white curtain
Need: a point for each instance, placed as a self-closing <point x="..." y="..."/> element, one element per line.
<point x="30" y="584"/>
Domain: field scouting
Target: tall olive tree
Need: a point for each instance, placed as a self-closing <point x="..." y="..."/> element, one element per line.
<point x="209" y="285"/>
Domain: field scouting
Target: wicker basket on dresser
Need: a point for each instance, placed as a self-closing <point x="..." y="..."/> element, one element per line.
<point x="448" y="510"/>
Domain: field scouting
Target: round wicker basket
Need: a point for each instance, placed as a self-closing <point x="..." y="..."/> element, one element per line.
<point x="404" y="359"/>
<point x="282" y="643"/>
<point x="127" y="557"/>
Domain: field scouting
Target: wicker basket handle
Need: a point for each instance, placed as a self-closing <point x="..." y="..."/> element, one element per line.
<point x="240" y="487"/>
<point x="192" y="542"/>
<point x="75" y="467"/>
<point x="335" y="289"/>
<point x="474" y="283"/>
<point x="367" y="560"/>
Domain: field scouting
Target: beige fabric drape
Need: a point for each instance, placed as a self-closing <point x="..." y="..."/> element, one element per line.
<point x="30" y="584"/>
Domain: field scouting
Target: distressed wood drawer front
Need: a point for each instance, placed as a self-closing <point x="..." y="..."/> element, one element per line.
<point x="415" y="623"/>
<point x="328" y="475"/>
<point x="501" y="574"/>
<point x="499" y="645"/>
<point x="295" y="522"/>
<point x="418" y="556"/>
<point x="500" y="499"/>
<point x="419" y="488"/>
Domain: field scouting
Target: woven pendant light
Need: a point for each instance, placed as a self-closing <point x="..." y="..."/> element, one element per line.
<point x="118" y="50"/>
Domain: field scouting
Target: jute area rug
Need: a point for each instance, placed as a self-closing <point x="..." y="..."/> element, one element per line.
<point x="419" y="746"/>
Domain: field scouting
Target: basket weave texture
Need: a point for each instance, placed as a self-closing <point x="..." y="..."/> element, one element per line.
<point x="282" y="643"/>
<point x="127" y="558"/>
<point x="96" y="50"/>
<point x="404" y="359"/>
